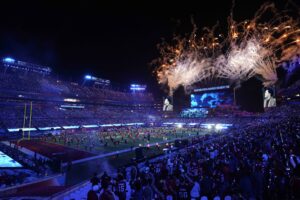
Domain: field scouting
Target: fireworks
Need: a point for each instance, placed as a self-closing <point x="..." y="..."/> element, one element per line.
<point x="251" y="48"/>
<point x="256" y="46"/>
<point x="267" y="70"/>
<point x="188" y="60"/>
<point x="184" y="72"/>
<point x="241" y="61"/>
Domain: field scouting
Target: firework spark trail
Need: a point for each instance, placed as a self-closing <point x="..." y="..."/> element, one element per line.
<point x="267" y="70"/>
<point x="188" y="60"/>
<point x="266" y="43"/>
<point x="253" y="48"/>
<point x="278" y="34"/>
<point x="187" y="72"/>
<point x="241" y="61"/>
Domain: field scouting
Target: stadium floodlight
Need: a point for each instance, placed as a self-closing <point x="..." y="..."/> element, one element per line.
<point x="88" y="77"/>
<point x="179" y="125"/>
<point x="137" y="87"/>
<point x="9" y="60"/>
<point x="218" y="127"/>
<point x="209" y="126"/>
<point x="193" y="124"/>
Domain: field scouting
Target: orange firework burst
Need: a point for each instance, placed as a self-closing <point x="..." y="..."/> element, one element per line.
<point x="257" y="46"/>
<point x="253" y="48"/>
<point x="187" y="60"/>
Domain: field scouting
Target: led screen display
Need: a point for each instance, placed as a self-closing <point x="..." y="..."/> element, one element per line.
<point x="8" y="162"/>
<point x="211" y="99"/>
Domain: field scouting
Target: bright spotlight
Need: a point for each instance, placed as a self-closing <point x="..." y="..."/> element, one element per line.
<point x="10" y="60"/>
<point x="88" y="77"/>
<point x="218" y="127"/>
<point x="137" y="87"/>
<point x="209" y="126"/>
<point x="179" y="125"/>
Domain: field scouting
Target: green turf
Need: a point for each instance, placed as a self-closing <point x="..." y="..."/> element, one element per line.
<point x="83" y="171"/>
<point x="99" y="148"/>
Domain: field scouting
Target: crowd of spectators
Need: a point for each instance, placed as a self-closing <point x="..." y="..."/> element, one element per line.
<point x="32" y="167"/>
<point x="45" y="114"/>
<point x="290" y="92"/>
<point x="15" y="177"/>
<point x="87" y="104"/>
<point x="261" y="161"/>
<point x="48" y="87"/>
<point x="220" y="111"/>
<point x="292" y="70"/>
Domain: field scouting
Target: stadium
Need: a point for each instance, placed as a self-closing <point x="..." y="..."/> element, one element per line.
<point x="219" y="117"/>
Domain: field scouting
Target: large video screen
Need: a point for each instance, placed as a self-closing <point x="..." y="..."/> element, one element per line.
<point x="168" y="104"/>
<point x="8" y="162"/>
<point x="269" y="97"/>
<point x="211" y="99"/>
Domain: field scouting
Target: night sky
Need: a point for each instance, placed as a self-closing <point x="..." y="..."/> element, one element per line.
<point x="113" y="41"/>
